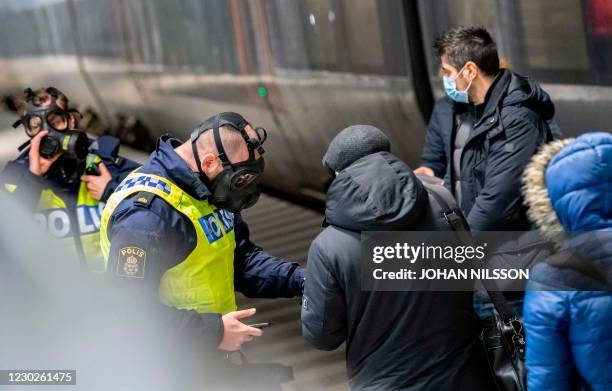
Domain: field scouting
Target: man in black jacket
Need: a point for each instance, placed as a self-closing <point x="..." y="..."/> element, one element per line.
<point x="482" y="135"/>
<point x="395" y="340"/>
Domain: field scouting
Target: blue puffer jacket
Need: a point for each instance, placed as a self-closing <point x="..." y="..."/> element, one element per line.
<point x="568" y="316"/>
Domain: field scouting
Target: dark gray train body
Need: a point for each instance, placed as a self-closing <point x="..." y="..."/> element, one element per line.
<point x="302" y="69"/>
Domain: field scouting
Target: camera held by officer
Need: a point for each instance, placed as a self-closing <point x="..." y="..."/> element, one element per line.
<point x="61" y="174"/>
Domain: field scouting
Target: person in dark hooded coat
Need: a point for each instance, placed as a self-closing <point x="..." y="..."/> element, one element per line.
<point x="394" y="340"/>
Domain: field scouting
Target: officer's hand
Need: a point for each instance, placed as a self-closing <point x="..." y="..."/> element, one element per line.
<point x="97" y="183"/>
<point x="38" y="164"/>
<point x="235" y="333"/>
<point x="424" y="170"/>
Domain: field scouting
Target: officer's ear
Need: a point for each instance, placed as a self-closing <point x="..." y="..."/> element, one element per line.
<point x="211" y="165"/>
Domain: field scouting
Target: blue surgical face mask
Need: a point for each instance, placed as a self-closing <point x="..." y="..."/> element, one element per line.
<point x="450" y="87"/>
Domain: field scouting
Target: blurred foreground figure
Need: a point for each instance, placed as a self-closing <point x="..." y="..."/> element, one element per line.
<point x="56" y="316"/>
<point x="568" y="309"/>
<point x="395" y="340"/>
<point x="63" y="175"/>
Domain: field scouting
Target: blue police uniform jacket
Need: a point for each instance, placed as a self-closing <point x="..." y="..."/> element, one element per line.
<point x="168" y="237"/>
<point x="568" y="315"/>
<point x="65" y="173"/>
<point x="61" y="202"/>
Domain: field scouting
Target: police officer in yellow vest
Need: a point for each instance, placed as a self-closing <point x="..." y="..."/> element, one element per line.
<point x="51" y="176"/>
<point x="173" y="232"/>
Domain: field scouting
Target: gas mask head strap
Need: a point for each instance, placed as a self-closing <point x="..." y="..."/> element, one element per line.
<point x="32" y="108"/>
<point x="237" y="122"/>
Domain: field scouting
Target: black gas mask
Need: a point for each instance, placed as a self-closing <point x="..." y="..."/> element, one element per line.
<point x="56" y="121"/>
<point x="237" y="186"/>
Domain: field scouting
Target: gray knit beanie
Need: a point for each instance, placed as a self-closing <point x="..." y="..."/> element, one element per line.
<point x="353" y="143"/>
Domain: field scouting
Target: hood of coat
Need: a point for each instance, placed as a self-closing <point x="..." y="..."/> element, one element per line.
<point x="526" y="92"/>
<point x="377" y="192"/>
<point x="510" y="89"/>
<point x="566" y="186"/>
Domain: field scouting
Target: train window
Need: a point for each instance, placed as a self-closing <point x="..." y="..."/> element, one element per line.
<point x="565" y="41"/>
<point x="553" y="41"/>
<point x="147" y="25"/>
<point x="363" y="31"/>
<point x="357" y="36"/>
<point x="19" y="24"/>
<point x="323" y="37"/>
<point x="134" y="28"/>
<point x="438" y="16"/>
<point x="98" y="29"/>
<point x="193" y="34"/>
<point x="244" y="15"/>
<point x="599" y="28"/>
<point x="287" y="34"/>
<point x="175" y="40"/>
<point x="43" y="29"/>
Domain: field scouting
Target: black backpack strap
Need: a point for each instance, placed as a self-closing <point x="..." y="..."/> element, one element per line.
<point x="567" y="259"/>
<point x="453" y="216"/>
<point x="455" y="219"/>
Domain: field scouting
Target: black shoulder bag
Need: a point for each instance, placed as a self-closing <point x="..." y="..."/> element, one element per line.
<point x="502" y="336"/>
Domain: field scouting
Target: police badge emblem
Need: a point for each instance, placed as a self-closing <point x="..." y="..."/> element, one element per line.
<point x="131" y="262"/>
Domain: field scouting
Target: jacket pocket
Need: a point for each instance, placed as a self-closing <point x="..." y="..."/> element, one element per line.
<point x="478" y="170"/>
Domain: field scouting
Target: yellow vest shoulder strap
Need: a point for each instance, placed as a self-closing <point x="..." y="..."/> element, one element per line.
<point x="146" y="183"/>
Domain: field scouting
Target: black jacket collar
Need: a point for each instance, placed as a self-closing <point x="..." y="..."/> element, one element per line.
<point x="494" y="97"/>
<point x="166" y="162"/>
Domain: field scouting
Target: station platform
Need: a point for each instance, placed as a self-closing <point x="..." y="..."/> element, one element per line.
<point x="283" y="229"/>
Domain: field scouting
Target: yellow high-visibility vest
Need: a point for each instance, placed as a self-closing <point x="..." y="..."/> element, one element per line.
<point x="204" y="281"/>
<point x="76" y="224"/>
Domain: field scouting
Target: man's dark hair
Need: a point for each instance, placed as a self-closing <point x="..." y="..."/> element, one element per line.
<point x="463" y="44"/>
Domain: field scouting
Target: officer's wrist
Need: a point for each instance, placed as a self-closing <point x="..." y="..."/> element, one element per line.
<point x="219" y="331"/>
<point x="299" y="279"/>
<point x="108" y="190"/>
<point x="32" y="179"/>
<point x="35" y="171"/>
